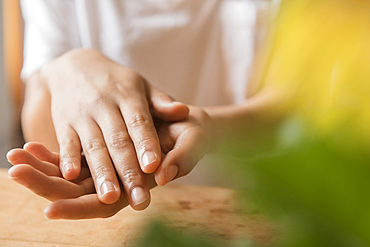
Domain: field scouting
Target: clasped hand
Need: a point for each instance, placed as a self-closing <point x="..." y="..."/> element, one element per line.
<point x="183" y="144"/>
<point x="106" y="110"/>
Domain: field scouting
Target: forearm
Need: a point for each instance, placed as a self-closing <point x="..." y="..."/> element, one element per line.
<point x="247" y="128"/>
<point x="37" y="123"/>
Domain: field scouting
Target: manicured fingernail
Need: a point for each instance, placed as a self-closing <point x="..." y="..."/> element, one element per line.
<point x="107" y="187"/>
<point x="148" y="158"/>
<point x="67" y="167"/>
<point x="21" y="181"/>
<point x="171" y="173"/>
<point x="138" y="196"/>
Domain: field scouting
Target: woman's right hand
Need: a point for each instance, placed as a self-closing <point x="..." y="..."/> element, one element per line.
<point x="105" y="110"/>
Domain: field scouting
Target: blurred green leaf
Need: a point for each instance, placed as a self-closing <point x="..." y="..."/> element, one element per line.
<point x="323" y="191"/>
<point x="158" y="235"/>
<point x="316" y="184"/>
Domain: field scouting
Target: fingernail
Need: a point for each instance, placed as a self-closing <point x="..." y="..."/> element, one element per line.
<point x="107" y="187"/>
<point x="8" y="154"/>
<point x="148" y="158"/>
<point x="67" y="167"/>
<point x="171" y="173"/>
<point x="47" y="213"/>
<point x="21" y="181"/>
<point x="165" y="103"/>
<point x="138" y="196"/>
<point x="51" y="214"/>
<point x="171" y="104"/>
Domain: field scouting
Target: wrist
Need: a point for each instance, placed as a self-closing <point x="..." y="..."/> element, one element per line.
<point x="217" y="130"/>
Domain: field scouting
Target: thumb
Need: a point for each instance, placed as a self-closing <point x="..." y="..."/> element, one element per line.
<point x="178" y="162"/>
<point x="165" y="108"/>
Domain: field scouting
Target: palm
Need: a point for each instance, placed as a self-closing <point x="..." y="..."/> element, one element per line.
<point x="70" y="198"/>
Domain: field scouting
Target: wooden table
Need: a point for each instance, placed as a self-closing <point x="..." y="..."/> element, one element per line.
<point x="186" y="208"/>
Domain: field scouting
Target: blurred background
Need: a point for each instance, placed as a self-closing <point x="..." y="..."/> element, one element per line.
<point x="11" y="87"/>
<point x="316" y="183"/>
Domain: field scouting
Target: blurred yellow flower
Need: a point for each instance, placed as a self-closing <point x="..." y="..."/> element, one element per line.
<point x="320" y="60"/>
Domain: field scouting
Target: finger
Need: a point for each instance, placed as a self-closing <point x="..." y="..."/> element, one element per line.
<point x="42" y="153"/>
<point x="88" y="206"/>
<point x="165" y="108"/>
<point x="21" y="156"/>
<point x="84" y="207"/>
<point x="49" y="187"/>
<point x="85" y="170"/>
<point x="182" y="158"/>
<point x="123" y="155"/>
<point x="141" y="129"/>
<point x="166" y="140"/>
<point x="99" y="162"/>
<point x="69" y="152"/>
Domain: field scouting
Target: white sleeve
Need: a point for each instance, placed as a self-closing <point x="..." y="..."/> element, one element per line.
<point x="50" y="30"/>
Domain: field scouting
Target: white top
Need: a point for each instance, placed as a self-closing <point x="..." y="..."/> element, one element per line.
<point x="198" y="51"/>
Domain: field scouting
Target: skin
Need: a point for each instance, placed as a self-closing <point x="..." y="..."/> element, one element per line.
<point x="183" y="143"/>
<point x="83" y="101"/>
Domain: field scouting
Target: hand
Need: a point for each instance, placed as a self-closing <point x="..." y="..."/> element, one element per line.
<point x="184" y="144"/>
<point x="105" y="109"/>
<point x="36" y="168"/>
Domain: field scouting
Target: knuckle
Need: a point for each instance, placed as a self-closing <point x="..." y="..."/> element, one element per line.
<point x="100" y="172"/>
<point x="120" y="141"/>
<point x="144" y="143"/>
<point x="139" y="120"/>
<point x="98" y="98"/>
<point x="94" y="145"/>
<point x="67" y="157"/>
<point x="130" y="176"/>
<point x="68" y="142"/>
